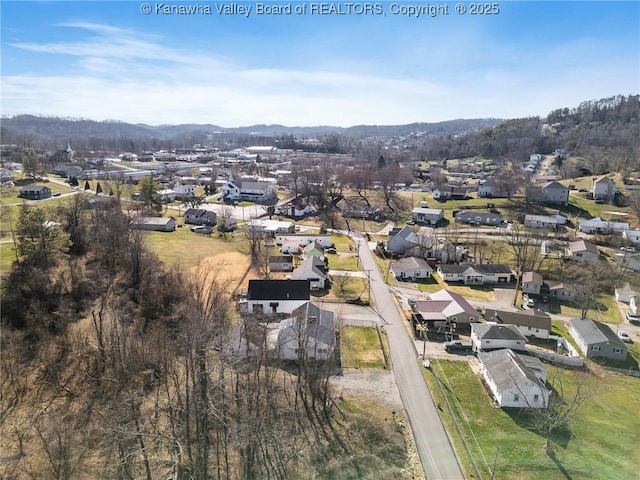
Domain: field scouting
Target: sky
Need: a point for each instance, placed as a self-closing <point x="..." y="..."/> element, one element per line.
<point x="352" y="63"/>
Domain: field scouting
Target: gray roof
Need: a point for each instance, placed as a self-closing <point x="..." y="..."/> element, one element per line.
<point x="490" y="331"/>
<point x="410" y="263"/>
<point x="582" y="246"/>
<point x="525" y="318"/>
<point x="435" y="212"/>
<point x="507" y="368"/>
<point x="593" y="332"/>
<point x="309" y="265"/>
<point x="152" y="220"/>
<point x="323" y="328"/>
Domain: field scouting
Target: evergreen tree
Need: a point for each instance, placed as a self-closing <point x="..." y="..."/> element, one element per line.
<point x="98" y="188"/>
<point x="86" y="185"/>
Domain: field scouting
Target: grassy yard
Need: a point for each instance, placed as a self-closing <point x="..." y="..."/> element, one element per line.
<point x="608" y="311"/>
<point x="343" y="261"/>
<point x="360" y="347"/>
<point x="601" y="446"/>
<point x="188" y="248"/>
<point x="353" y="287"/>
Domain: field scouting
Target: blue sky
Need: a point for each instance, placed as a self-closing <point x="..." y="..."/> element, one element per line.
<point x="107" y="60"/>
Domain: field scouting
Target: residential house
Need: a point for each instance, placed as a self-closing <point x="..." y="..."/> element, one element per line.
<point x="598" y="226"/>
<point x="313" y="250"/>
<point x="448" y="192"/>
<point x="362" y="212"/>
<point x="167" y="195"/>
<point x="552" y="193"/>
<point x="490" y="336"/>
<point x="490" y="188"/>
<point x="531" y="323"/>
<point x="532" y="283"/>
<point x="544" y="221"/>
<point x="444" y="307"/>
<point x="629" y="261"/>
<point x="276" y="296"/>
<point x="403" y="241"/>
<point x="305" y="239"/>
<point x="479" y="218"/>
<point x="427" y="216"/>
<point x="228" y="225"/>
<point x="560" y="291"/>
<point x="184" y="191"/>
<point x="281" y="263"/>
<point x="290" y="246"/>
<point x="200" y="216"/>
<point x="475" y="274"/>
<point x="625" y="293"/>
<point x="634" y="304"/>
<point x="411" y="268"/>
<point x="632" y="235"/>
<point x="582" y="251"/>
<point x="35" y="192"/>
<point x="310" y="333"/>
<point x="271" y="227"/>
<point x="295" y="209"/>
<point x="248" y="190"/>
<point x="603" y="188"/>
<point x="313" y="270"/>
<point x="156" y="224"/>
<point x="514" y="380"/>
<point x="596" y="339"/>
<point x="6" y="175"/>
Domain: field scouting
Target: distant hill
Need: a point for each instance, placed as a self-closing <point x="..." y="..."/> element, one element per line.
<point x="89" y="134"/>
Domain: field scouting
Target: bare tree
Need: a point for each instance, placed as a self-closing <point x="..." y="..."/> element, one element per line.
<point x="526" y="250"/>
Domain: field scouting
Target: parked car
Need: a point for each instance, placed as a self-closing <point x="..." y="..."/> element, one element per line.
<point x="624" y="336"/>
<point x="632" y="317"/>
<point x="330" y="250"/>
<point x="411" y="222"/>
<point x="202" y="229"/>
<point x="457" y="346"/>
<point x="531" y="303"/>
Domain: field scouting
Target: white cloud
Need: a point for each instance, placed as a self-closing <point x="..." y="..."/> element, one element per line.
<point x="120" y="74"/>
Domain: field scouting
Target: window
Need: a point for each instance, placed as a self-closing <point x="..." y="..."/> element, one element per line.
<point x="535" y="398"/>
<point x="617" y="350"/>
<point x="595" y="348"/>
<point x="516" y="397"/>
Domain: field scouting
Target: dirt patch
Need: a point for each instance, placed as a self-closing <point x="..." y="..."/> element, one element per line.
<point x="230" y="266"/>
<point x="378" y="384"/>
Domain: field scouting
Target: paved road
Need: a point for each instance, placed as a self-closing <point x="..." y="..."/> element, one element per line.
<point x="436" y="453"/>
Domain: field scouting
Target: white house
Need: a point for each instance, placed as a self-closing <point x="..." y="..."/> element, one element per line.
<point x="313" y="270"/>
<point x="603" y="188"/>
<point x="303" y="240"/>
<point x="632" y="235"/>
<point x="427" y="216"/>
<point x="515" y="381"/>
<point x="276" y="296"/>
<point x="532" y="282"/>
<point x="309" y="333"/>
<point x="290" y="246"/>
<point x="184" y="191"/>
<point x="475" y="274"/>
<point x="410" y="268"/>
<point x="583" y="251"/>
<point x="544" y="221"/>
<point x="490" y="189"/>
<point x="270" y="227"/>
<point x="247" y="190"/>
<point x="598" y="226"/>
<point x="167" y="195"/>
<point x="625" y="293"/>
<point x="489" y="336"/>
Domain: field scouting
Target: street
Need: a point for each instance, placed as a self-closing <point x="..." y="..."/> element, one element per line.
<point x="436" y="453"/>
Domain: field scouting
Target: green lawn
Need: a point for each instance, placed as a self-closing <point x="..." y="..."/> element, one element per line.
<point x="360" y="347"/>
<point x="608" y="311"/>
<point x="353" y="287"/>
<point x="603" y="444"/>
<point x="343" y="261"/>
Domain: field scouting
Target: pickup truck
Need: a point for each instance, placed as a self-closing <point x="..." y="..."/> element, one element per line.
<point x="457" y="346"/>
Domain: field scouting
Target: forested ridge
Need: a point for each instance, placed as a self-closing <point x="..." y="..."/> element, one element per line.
<point x="114" y="366"/>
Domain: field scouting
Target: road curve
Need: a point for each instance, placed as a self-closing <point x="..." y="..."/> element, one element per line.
<point x="437" y="455"/>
